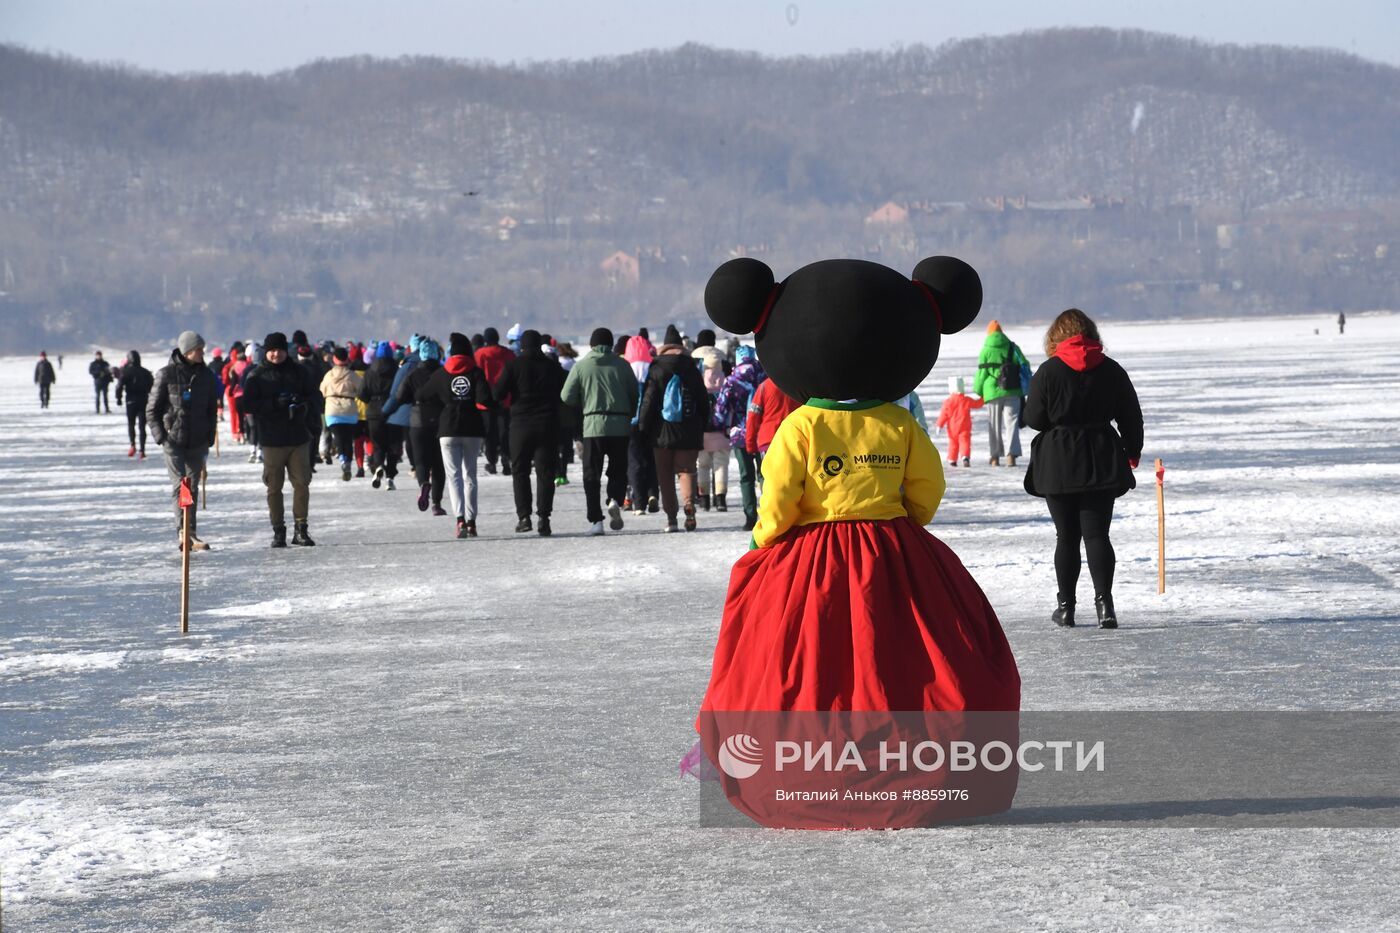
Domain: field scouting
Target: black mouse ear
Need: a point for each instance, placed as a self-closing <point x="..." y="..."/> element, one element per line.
<point x="956" y="287"/>
<point x="738" y="293"/>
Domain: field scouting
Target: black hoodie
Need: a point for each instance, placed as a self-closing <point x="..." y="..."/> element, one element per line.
<point x="136" y="382"/>
<point x="532" y="381"/>
<point x="460" y="386"/>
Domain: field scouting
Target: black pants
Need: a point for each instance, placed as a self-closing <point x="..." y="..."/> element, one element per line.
<point x="427" y="460"/>
<point x="1084" y="516"/>
<point x="641" y="469"/>
<point x="101" y="401"/>
<point x="536" y="444"/>
<point x="497" y="435"/>
<point x="344" y="437"/>
<point x="44" y="395"/>
<point x="595" y="449"/>
<point x="136" y="417"/>
<point x="388" y="446"/>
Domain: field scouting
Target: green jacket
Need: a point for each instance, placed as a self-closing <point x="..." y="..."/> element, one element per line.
<point x="604" y="388"/>
<point x="989" y="361"/>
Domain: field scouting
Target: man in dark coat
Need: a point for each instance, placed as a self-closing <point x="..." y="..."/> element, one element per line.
<point x="44" y="378"/>
<point x="135" y="383"/>
<point x="283" y="399"/>
<point x="183" y="414"/>
<point x="101" y="372"/>
<point x="533" y="382"/>
<point x="676" y="436"/>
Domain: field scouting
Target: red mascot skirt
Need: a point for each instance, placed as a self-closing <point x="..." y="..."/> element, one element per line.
<point x="857" y="617"/>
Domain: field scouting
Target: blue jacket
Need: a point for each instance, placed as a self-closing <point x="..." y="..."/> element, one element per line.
<point x="394" y="412"/>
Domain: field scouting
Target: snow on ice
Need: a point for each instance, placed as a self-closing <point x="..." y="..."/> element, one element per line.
<point x="398" y="730"/>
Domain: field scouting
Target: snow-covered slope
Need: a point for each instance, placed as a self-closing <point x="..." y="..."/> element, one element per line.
<point x="398" y="730"/>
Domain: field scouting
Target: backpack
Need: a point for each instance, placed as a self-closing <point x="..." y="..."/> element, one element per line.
<point x="676" y="403"/>
<point x="1009" y="373"/>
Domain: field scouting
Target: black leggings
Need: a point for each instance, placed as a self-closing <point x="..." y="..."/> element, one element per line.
<point x="1085" y="516"/>
<point x="136" y="417"/>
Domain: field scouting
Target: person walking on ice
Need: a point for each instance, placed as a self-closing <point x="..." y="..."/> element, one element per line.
<point x="1003" y="374"/>
<point x="1079" y="463"/>
<point x="183" y="414"/>
<point x="956" y="416"/>
<point x="44" y="378"/>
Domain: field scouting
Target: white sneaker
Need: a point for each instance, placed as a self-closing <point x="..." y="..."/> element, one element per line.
<point x="253" y="457"/>
<point x="595" y="530"/>
<point x="389" y="484"/>
<point x="614" y="513"/>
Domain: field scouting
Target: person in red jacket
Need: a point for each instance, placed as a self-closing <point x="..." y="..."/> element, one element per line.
<point x="956" y="414"/>
<point x="492" y="358"/>
<point x="769" y="407"/>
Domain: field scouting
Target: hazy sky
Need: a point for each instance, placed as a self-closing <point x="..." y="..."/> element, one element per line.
<point x="269" y="35"/>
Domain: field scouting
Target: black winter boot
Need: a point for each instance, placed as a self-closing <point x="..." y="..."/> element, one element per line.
<point x="523" y="525"/>
<point x="720" y="504"/>
<point x="279" y="535"/>
<point x="1063" y="615"/>
<point x="300" y="537"/>
<point x="704" y="501"/>
<point x="1104" y="606"/>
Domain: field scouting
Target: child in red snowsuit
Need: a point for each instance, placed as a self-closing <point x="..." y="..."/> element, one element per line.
<point x="956" y="413"/>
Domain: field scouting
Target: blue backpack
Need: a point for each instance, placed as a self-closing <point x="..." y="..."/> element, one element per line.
<point x="674" y="402"/>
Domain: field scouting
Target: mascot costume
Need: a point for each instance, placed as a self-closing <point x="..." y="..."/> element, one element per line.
<point x="846" y="614"/>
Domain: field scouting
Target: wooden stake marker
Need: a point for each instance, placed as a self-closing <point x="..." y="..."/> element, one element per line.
<point x="1161" y="530"/>
<point x="186" y="503"/>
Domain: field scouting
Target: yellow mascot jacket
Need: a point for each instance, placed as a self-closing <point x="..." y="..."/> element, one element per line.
<point x="834" y="461"/>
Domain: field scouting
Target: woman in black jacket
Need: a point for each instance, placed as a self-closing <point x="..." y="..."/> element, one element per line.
<point x="460" y="389"/>
<point x="1079" y="463"/>
<point x="676" y="439"/>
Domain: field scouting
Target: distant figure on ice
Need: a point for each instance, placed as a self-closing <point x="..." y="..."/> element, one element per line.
<point x="135" y="383"/>
<point x="732" y="417"/>
<point x="44" y="378"/>
<point x="101" y="372"/>
<point x="956" y="416"/>
<point x="602" y="387"/>
<point x="1079" y="463"/>
<point x="340" y="388"/>
<point x="1341" y="322"/>
<point x="282" y="398"/>
<point x="492" y="358"/>
<point x="712" y="466"/>
<point x="1003" y="375"/>
<point x="533" y="381"/>
<point x="846" y="602"/>
<point x="183" y="414"/>
<point x="645" y="493"/>
<point x="675" y="410"/>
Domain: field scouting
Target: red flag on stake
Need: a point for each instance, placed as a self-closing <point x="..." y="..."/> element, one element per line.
<point x="186" y="494"/>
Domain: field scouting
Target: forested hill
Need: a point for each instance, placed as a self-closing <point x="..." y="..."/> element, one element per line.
<point x="1133" y="172"/>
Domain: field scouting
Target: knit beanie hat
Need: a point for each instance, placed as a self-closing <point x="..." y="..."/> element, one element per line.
<point x="601" y="337"/>
<point x="530" y="340"/>
<point x="459" y="345"/>
<point x="993" y="326"/>
<point x="189" y="341"/>
<point x="275" y="341"/>
<point x="672" y="334"/>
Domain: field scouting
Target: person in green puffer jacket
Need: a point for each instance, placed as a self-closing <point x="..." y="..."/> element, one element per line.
<point x="601" y="385"/>
<point x="1003" y="376"/>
